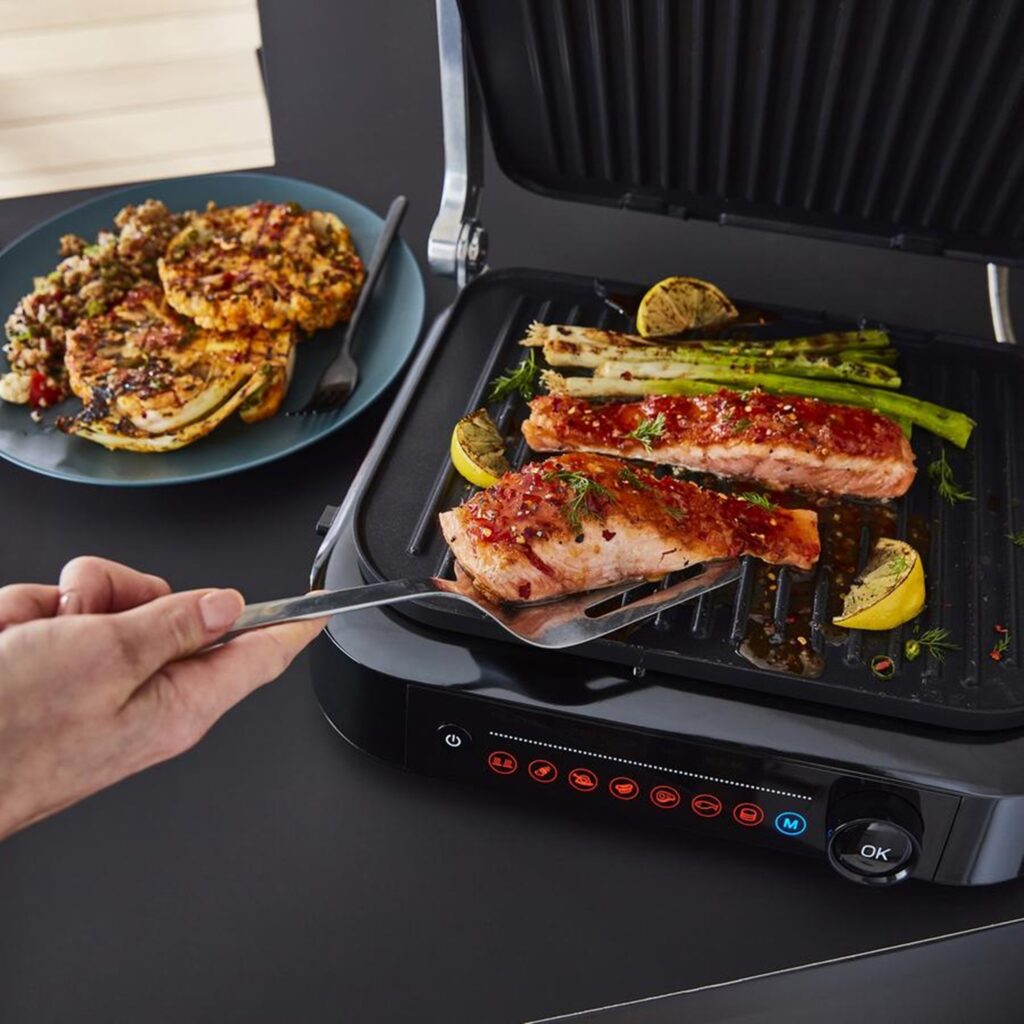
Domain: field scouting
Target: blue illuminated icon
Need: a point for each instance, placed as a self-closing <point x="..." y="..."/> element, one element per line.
<point x="789" y="823"/>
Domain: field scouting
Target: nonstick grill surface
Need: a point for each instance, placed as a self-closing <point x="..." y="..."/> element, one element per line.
<point x="973" y="569"/>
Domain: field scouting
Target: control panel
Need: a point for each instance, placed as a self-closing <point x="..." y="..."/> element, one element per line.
<point x="871" y="831"/>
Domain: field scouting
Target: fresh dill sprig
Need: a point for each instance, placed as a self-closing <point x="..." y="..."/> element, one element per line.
<point x="941" y="474"/>
<point x="627" y="476"/>
<point x="648" y="431"/>
<point x="1016" y="538"/>
<point x="757" y="499"/>
<point x="518" y="380"/>
<point x="935" y="641"/>
<point x="580" y="505"/>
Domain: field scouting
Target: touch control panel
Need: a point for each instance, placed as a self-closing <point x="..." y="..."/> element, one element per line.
<point x="637" y="777"/>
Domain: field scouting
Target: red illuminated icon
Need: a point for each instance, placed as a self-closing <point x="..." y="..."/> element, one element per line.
<point x="623" y="789"/>
<point x="502" y="762"/>
<point x="542" y="771"/>
<point x="747" y="814"/>
<point x="706" y="805"/>
<point x="665" y="797"/>
<point x="583" y="779"/>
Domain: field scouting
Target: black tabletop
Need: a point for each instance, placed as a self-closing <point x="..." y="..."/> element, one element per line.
<point x="969" y="976"/>
<point x="274" y="873"/>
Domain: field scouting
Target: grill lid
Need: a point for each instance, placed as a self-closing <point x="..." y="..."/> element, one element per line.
<point x="882" y="122"/>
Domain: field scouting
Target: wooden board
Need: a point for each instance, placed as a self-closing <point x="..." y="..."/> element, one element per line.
<point x="106" y="92"/>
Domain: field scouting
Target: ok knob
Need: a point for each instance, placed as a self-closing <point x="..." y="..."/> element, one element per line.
<point x="876" y="839"/>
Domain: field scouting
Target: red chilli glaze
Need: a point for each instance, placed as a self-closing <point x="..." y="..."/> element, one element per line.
<point x="729" y="416"/>
<point x="527" y="508"/>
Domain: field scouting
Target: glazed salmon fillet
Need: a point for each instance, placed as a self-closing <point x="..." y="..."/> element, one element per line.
<point x="781" y="442"/>
<point x="579" y="522"/>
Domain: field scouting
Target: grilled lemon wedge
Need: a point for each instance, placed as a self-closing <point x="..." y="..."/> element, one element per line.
<point x="478" y="449"/>
<point x="679" y="304"/>
<point x="890" y="590"/>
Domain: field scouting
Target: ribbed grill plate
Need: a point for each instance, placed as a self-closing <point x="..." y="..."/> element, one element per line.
<point x="974" y="571"/>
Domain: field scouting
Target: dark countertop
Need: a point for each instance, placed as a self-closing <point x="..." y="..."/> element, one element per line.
<point x="274" y="873"/>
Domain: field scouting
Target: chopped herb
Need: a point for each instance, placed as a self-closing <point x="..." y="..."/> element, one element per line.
<point x="1002" y="644"/>
<point x="897" y="565"/>
<point x="647" y="431"/>
<point x="740" y="425"/>
<point x="941" y="474"/>
<point x="675" y="512"/>
<point x="935" y="641"/>
<point x="883" y="666"/>
<point x="580" y="504"/>
<point x="627" y="476"/>
<point x="519" y="379"/>
<point x="757" y="499"/>
<point x="1017" y="538"/>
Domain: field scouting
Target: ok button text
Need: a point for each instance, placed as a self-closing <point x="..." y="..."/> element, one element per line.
<point x="869" y="852"/>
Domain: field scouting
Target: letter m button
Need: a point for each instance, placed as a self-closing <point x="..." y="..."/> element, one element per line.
<point x="790" y="823"/>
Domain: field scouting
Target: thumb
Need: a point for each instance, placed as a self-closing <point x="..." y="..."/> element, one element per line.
<point x="174" y="627"/>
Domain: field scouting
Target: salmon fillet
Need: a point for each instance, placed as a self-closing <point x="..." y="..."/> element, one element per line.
<point x="780" y="442"/>
<point x="579" y="522"/>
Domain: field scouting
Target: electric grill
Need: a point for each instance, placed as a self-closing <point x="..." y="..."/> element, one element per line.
<point x="742" y="114"/>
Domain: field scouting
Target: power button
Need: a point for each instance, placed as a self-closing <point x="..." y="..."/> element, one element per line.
<point x="454" y="738"/>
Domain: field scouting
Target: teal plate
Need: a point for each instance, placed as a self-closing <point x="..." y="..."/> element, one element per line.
<point x="386" y="338"/>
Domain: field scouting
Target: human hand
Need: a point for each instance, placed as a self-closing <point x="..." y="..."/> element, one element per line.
<point x="105" y="674"/>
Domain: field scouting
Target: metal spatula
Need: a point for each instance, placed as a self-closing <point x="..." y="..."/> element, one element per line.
<point x="553" y="624"/>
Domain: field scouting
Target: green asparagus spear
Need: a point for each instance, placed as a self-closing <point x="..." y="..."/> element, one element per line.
<point x="834" y="341"/>
<point x="726" y="368"/>
<point x="561" y="352"/>
<point x="889" y="356"/>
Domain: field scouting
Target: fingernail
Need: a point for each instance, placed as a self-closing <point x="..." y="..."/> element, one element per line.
<point x="69" y="604"/>
<point x="220" y="608"/>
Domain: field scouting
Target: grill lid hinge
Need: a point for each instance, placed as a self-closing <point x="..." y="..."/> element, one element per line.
<point x="457" y="246"/>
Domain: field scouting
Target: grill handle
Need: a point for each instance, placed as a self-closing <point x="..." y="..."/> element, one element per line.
<point x="999" y="303"/>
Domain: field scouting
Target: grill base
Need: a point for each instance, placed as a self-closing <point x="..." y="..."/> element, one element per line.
<point x="972" y="567"/>
<point x="388" y="685"/>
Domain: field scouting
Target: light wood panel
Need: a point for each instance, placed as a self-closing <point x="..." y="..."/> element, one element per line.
<point x="102" y="92"/>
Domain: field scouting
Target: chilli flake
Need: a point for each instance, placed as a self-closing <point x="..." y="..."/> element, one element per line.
<point x="882" y="666"/>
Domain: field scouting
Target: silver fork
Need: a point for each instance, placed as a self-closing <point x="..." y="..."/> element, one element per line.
<point x="339" y="380"/>
<point x="554" y="624"/>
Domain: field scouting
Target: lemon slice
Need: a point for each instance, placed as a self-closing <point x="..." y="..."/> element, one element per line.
<point x="888" y="592"/>
<point x="478" y="450"/>
<point x="679" y="304"/>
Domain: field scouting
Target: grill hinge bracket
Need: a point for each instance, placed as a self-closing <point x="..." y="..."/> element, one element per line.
<point x="326" y="520"/>
<point x="457" y="246"/>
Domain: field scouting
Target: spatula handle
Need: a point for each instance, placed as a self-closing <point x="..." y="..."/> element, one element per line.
<point x="323" y="603"/>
